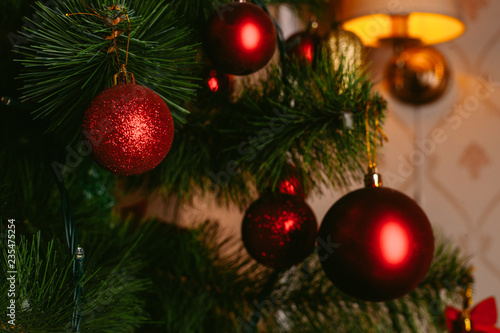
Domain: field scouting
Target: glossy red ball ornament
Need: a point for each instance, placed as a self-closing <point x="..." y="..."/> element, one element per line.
<point x="240" y="38"/>
<point x="129" y="128"/>
<point x="375" y="244"/>
<point x="302" y="45"/>
<point x="279" y="230"/>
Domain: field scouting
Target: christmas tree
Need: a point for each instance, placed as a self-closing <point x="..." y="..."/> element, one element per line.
<point x="197" y="124"/>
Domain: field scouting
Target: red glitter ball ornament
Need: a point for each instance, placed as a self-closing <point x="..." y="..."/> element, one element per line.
<point x="130" y="129"/>
<point x="240" y="38"/>
<point x="375" y="244"/>
<point x="279" y="230"/>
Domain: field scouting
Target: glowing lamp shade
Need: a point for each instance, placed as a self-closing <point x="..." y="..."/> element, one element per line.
<point x="430" y="21"/>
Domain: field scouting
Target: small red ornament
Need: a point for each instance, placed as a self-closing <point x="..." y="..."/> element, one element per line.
<point x="218" y="82"/>
<point x="279" y="230"/>
<point x="383" y="244"/>
<point x="302" y="45"/>
<point x="130" y="129"/>
<point x="292" y="186"/>
<point x="483" y="318"/>
<point x="240" y="38"/>
<point x="292" y="182"/>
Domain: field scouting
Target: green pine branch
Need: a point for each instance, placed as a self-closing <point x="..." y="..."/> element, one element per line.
<point x="68" y="61"/>
<point x="313" y="118"/>
<point x="44" y="289"/>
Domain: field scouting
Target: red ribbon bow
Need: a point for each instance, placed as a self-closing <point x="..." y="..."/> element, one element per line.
<point x="483" y="316"/>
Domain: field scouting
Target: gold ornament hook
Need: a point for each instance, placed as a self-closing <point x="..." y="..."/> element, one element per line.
<point x="123" y="76"/>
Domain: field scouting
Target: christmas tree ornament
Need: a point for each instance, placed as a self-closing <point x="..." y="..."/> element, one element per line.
<point x="480" y="319"/>
<point x="240" y="38"/>
<point x="289" y="182"/>
<point x="279" y="230"/>
<point x="292" y="186"/>
<point x="129" y="127"/>
<point x="292" y="182"/>
<point x="218" y="82"/>
<point x="303" y="45"/>
<point x="418" y="75"/>
<point x="346" y="49"/>
<point x="384" y="242"/>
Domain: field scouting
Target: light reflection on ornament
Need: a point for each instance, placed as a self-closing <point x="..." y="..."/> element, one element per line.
<point x="289" y="224"/>
<point x="250" y="36"/>
<point x="308" y="52"/>
<point x="394" y="243"/>
<point x="213" y="84"/>
<point x="288" y="188"/>
<point x="137" y="129"/>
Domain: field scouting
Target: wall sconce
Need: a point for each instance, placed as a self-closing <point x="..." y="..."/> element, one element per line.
<point x="417" y="73"/>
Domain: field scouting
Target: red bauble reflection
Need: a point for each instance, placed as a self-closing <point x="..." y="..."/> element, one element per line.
<point x="302" y="45"/>
<point x="394" y="243"/>
<point x="218" y="82"/>
<point x="129" y="128"/>
<point x="384" y="244"/>
<point x="213" y="84"/>
<point x="279" y="230"/>
<point x="292" y="182"/>
<point x="292" y="186"/>
<point x="240" y="38"/>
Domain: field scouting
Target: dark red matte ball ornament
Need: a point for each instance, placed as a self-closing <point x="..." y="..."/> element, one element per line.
<point x="302" y="45"/>
<point x="384" y="243"/>
<point x="129" y="127"/>
<point x="240" y="38"/>
<point x="279" y="230"/>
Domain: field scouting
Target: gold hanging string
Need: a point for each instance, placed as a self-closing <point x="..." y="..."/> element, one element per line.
<point x="367" y="127"/>
<point x="112" y="23"/>
<point x="372" y="159"/>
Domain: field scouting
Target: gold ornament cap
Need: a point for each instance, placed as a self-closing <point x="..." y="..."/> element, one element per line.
<point x="373" y="178"/>
<point x="123" y="76"/>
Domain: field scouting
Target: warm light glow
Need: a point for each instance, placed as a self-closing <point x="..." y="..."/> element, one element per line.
<point x="430" y="28"/>
<point x="250" y="36"/>
<point x="213" y="84"/>
<point x="308" y="52"/>
<point x="394" y="243"/>
<point x="289" y="224"/>
<point x="288" y="188"/>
